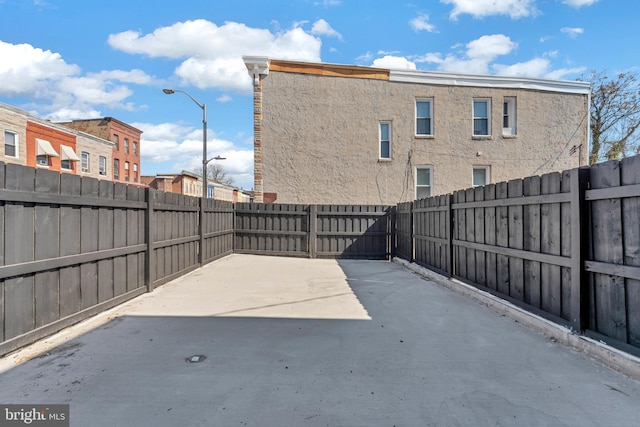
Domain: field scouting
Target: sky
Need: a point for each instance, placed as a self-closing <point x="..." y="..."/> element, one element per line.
<point x="69" y="59"/>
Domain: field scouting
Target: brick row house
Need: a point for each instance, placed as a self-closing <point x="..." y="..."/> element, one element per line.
<point x="342" y="134"/>
<point x="35" y="142"/>
<point x="82" y="147"/>
<point x="125" y="163"/>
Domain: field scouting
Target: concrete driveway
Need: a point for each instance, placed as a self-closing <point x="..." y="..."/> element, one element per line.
<point x="265" y="341"/>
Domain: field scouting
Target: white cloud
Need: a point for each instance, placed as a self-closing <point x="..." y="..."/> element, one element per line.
<point x="537" y="67"/>
<point x="31" y="70"/>
<point x="421" y="23"/>
<point x="224" y="99"/>
<point x="322" y="28"/>
<point x="45" y="76"/>
<point x="394" y="62"/>
<point x="212" y="55"/>
<point x="572" y="32"/>
<point x="579" y="3"/>
<point x="327" y="3"/>
<point x="481" y="8"/>
<point x="476" y="58"/>
<point x="180" y="148"/>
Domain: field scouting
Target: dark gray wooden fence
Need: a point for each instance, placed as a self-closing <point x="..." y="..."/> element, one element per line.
<point x="71" y="247"/>
<point x="563" y="245"/>
<point x="315" y="231"/>
<point x="614" y="251"/>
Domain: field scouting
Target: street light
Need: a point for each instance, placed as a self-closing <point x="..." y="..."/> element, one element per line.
<point x="205" y="161"/>
<point x="204" y="137"/>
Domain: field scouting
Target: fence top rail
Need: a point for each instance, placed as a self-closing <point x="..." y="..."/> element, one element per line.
<point x="618" y="192"/>
<point x="65" y="199"/>
<point x="515" y="201"/>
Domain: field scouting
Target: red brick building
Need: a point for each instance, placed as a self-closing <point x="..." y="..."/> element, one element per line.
<point x="126" y="150"/>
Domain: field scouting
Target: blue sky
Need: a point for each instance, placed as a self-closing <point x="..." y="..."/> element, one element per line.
<point x="64" y="59"/>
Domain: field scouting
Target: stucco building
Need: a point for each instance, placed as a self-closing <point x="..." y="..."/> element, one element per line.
<point x="338" y="134"/>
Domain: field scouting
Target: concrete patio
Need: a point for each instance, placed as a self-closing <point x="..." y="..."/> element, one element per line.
<point x="266" y="341"/>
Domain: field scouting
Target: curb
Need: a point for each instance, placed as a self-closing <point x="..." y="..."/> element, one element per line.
<point x="611" y="357"/>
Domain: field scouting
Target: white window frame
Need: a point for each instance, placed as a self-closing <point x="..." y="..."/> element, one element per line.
<point x="116" y="168"/>
<point x="487" y="118"/>
<point x="487" y="175"/>
<point x="102" y="165"/>
<point x="381" y="141"/>
<point x="430" y="101"/>
<point x="416" y="185"/>
<point x="85" y="165"/>
<point x="16" y="144"/>
<point x="509" y="117"/>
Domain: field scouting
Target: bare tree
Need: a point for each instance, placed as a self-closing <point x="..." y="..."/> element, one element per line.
<point x="217" y="173"/>
<point x="615" y="116"/>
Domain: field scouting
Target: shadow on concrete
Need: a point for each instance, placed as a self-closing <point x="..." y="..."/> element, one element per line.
<point x="405" y="352"/>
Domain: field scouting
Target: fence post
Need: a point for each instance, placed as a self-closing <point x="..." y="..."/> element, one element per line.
<point x="450" y="221"/>
<point x="313" y="230"/>
<point x="201" y="258"/>
<point x="392" y="236"/>
<point x="412" y="235"/>
<point x="150" y="266"/>
<point x="579" y="249"/>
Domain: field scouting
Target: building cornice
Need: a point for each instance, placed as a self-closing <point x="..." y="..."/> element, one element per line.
<point x="490" y="81"/>
<point x="262" y="66"/>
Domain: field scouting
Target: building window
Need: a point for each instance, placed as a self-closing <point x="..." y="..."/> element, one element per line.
<point x="385" y="140"/>
<point x="481" y="175"/>
<point x="481" y="115"/>
<point x="424" y="112"/>
<point x="135" y="148"/>
<point x="102" y="165"/>
<point x="424" y="179"/>
<point x="509" y="116"/>
<point x="126" y="146"/>
<point x="42" y="160"/>
<point x="10" y="144"/>
<point x="116" y="141"/>
<point x="44" y="152"/>
<point x="135" y="172"/>
<point x="67" y="157"/>
<point x="84" y="156"/>
<point x="116" y="169"/>
<point x="126" y="170"/>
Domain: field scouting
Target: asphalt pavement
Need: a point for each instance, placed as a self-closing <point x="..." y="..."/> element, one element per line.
<point x="267" y="341"/>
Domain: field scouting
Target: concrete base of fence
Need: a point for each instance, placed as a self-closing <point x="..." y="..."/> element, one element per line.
<point x="603" y="353"/>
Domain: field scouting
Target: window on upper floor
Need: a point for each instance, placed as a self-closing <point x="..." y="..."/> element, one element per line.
<point x="85" y="161"/>
<point x="126" y="146"/>
<point x="424" y="179"/>
<point x="44" y="152"/>
<point x="135" y="148"/>
<point x="481" y="176"/>
<point x="116" y="169"/>
<point x="10" y="144"/>
<point x="67" y="157"/>
<point x="385" y="140"/>
<point x="424" y="113"/>
<point x="116" y="141"/>
<point x="102" y="165"/>
<point x="481" y="117"/>
<point x="509" y="116"/>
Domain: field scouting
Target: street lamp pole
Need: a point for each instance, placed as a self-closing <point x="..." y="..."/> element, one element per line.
<point x="204" y="168"/>
<point x="203" y="107"/>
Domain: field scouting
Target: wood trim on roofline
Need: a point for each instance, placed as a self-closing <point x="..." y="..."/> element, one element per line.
<point x="329" y="70"/>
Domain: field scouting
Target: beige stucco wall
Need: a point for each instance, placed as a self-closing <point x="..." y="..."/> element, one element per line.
<point x="320" y="137"/>
<point x="96" y="147"/>
<point x="14" y="120"/>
